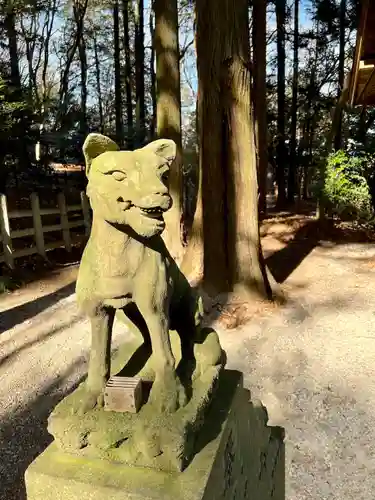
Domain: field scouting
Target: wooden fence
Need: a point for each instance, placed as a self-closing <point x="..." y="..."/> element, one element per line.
<point x="38" y="229"/>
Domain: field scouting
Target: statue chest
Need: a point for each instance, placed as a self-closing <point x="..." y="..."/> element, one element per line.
<point x="121" y="284"/>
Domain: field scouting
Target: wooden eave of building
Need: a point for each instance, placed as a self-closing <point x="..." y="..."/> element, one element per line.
<point x="362" y="76"/>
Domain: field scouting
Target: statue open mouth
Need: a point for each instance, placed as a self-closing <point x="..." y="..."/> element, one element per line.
<point x="154" y="213"/>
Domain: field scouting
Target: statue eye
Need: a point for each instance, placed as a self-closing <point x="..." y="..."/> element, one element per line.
<point x="165" y="176"/>
<point x="118" y="175"/>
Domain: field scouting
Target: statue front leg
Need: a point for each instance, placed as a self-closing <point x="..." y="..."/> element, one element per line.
<point x="100" y="359"/>
<point x="167" y="393"/>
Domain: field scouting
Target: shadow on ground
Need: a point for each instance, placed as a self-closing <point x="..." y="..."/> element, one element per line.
<point x="24" y="434"/>
<point x="12" y="355"/>
<point x="283" y="262"/>
<point x="19" y="314"/>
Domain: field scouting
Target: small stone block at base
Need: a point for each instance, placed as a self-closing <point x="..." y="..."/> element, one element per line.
<point x="123" y="394"/>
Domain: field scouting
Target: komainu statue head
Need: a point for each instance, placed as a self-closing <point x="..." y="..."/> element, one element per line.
<point x="129" y="188"/>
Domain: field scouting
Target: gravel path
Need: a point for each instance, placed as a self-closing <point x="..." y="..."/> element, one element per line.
<point x="41" y="360"/>
<point x="311" y="363"/>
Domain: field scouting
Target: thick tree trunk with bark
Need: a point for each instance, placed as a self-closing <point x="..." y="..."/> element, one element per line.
<point x="244" y="251"/>
<point x="168" y="113"/>
<point x="116" y="56"/>
<point x="128" y="75"/>
<point x="260" y="103"/>
<point x="281" y="148"/>
<point x="232" y="260"/>
<point x="192" y="264"/>
<point x="140" y="112"/>
<point x="292" y="174"/>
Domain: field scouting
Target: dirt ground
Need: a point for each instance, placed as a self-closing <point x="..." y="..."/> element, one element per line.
<point x="310" y="361"/>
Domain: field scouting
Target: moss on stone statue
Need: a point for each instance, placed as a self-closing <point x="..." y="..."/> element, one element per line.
<point x="127" y="272"/>
<point x="148" y="438"/>
<point x="237" y="456"/>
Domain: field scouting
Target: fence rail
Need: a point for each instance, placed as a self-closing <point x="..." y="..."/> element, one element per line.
<point x="8" y="254"/>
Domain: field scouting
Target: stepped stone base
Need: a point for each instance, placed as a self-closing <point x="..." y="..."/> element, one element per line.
<point x="236" y="457"/>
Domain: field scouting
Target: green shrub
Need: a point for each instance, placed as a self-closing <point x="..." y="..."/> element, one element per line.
<point x="346" y="187"/>
<point x="7" y="284"/>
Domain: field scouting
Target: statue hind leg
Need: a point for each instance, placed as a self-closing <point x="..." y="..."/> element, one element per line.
<point x="200" y="347"/>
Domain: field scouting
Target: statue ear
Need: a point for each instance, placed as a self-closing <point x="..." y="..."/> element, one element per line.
<point x="165" y="148"/>
<point x="95" y="145"/>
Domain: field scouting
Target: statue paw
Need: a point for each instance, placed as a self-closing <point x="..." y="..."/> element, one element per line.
<point x="92" y="399"/>
<point x="209" y="352"/>
<point x="167" y="393"/>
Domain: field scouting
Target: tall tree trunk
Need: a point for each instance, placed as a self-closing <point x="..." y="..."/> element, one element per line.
<point x="98" y="85"/>
<point x="153" y="76"/>
<point x="15" y="80"/>
<point x="140" y="112"/>
<point x="281" y="148"/>
<point x="79" y="12"/>
<point x="305" y="185"/>
<point x="292" y="174"/>
<point x="128" y="76"/>
<point x="116" y="56"/>
<point x="10" y="28"/>
<point x="338" y="137"/>
<point x="44" y="88"/>
<point x="169" y="110"/>
<point x="83" y="64"/>
<point x="260" y="103"/>
<point x="310" y="103"/>
<point x="233" y="259"/>
<point x="192" y="264"/>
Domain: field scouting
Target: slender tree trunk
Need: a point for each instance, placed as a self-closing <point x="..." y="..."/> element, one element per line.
<point x="153" y="76"/>
<point x="169" y="110"/>
<point x="46" y="48"/>
<point x="281" y="148"/>
<point x="10" y="28"/>
<point x="140" y="112"/>
<point x="305" y="185"/>
<point x="310" y="103"/>
<point x="83" y="64"/>
<point x="338" y="137"/>
<point x="98" y="85"/>
<point x="116" y="55"/>
<point x="128" y="75"/>
<point x="79" y="12"/>
<point x="232" y="259"/>
<point x="15" y="80"/>
<point x="260" y="103"/>
<point x="292" y="174"/>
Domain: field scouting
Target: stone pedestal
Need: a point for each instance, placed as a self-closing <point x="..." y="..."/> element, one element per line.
<point x="236" y="457"/>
